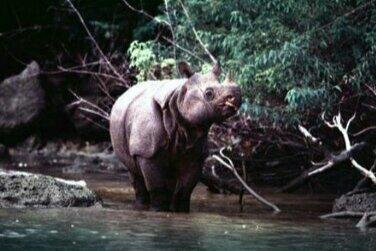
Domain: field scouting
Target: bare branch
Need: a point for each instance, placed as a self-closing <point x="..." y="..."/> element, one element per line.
<point x="337" y="123"/>
<point x="213" y="59"/>
<point x="98" y="74"/>
<point x="93" y="39"/>
<point x="98" y="111"/>
<point x="335" y="160"/>
<point x="345" y="214"/>
<point x="170" y="25"/>
<point x="373" y="90"/>
<point x="364" y="131"/>
<point x="307" y="134"/>
<point x="93" y="112"/>
<point x="183" y="49"/>
<point x="230" y="165"/>
<point x="141" y="11"/>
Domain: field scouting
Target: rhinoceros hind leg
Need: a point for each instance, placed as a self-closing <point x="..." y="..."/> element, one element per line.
<point x="142" y="195"/>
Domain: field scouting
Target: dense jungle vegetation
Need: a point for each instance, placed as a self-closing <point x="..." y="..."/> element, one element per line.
<point x="295" y="61"/>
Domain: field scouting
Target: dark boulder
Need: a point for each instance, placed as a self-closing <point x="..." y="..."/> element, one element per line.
<point x="21" y="189"/>
<point x="21" y="101"/>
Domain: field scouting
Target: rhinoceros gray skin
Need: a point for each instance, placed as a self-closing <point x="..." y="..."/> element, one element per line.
<point x="159" y="131"/>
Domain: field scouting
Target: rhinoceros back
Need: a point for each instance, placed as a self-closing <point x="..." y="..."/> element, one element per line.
<point x="135" y="109"/>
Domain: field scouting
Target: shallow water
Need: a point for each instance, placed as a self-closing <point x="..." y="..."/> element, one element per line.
<point x="214" y="224"/>
<point x="105" y="229"/>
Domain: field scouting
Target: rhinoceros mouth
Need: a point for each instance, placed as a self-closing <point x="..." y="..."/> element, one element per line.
<point x="228" y="107"/>
<point x="230" y="104"/>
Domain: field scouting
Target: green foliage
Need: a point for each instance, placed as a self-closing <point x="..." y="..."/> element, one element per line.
<point x="292" y="58"/>
<point x="142" y="57"/>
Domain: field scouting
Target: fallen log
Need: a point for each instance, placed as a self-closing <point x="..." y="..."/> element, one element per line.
<point x="335" y="160"/>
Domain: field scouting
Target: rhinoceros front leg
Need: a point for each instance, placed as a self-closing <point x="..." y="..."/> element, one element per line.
<point x="156" y="181"/>
<point x="187" y="180"/>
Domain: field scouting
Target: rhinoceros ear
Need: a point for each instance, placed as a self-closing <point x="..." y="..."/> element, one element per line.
<point x="217" y="69"/>
<point x="185" y="70"/>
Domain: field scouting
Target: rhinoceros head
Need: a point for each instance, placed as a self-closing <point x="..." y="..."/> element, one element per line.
<point x="204" y="100"/>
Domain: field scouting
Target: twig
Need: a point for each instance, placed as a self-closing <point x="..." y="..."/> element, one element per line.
<point x="241" y="202"/>
<point x="93" y="112"/>
<point x="364" y="131"/>
<point x="99" y="74"/>
<point x="307" y="134"/>
<point x="373" y="90"/>
<point x="94" y="122"/>
<point x="140" y="11"/>
<point x="345" y="214"/>
<point x="98" y="111"/>
<point x="213" y="59"/>
<point x="93" y="39"/>
<point x="170" y="25"/>
<point x="230" y="165"/>
<point x="183" y="49"/>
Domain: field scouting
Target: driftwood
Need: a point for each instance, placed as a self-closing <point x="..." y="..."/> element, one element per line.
<point x="335" y="160"/>
<point x="347" y="154"/>
<point x="337" y="123"/>
<point x="367" y="219"/>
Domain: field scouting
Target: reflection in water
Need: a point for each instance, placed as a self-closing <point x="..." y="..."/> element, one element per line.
<point x="105" y="229"/>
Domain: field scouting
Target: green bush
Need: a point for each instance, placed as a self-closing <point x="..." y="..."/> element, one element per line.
<point x="293" y="59"/>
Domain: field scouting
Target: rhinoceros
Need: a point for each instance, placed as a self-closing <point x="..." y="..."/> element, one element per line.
<point x="159" y="131"/>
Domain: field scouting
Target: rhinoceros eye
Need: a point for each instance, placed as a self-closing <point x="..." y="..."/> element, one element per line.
<point x="209" y="94"/>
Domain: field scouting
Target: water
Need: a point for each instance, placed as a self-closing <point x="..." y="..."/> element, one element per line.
<point x="106" y="229"/>
<point x="214" y="224"/>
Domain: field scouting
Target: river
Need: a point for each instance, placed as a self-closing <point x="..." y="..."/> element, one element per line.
<point x="215" y="223"/>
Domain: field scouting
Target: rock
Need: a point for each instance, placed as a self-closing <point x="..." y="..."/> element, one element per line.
<point x="21" y="100"/>
<point x="21" y="189"/>
<point x="359" y="202"/>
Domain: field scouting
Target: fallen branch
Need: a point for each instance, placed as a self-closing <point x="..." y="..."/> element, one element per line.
<point x="343" y="214"/>
<point x="230" y="165"/>
<point x="364" y="183"/>
<point x="335" y="160"/>
<point x="337" y="123"/>
<point x="368" y="219"/>
<point x="308" y="135"/>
